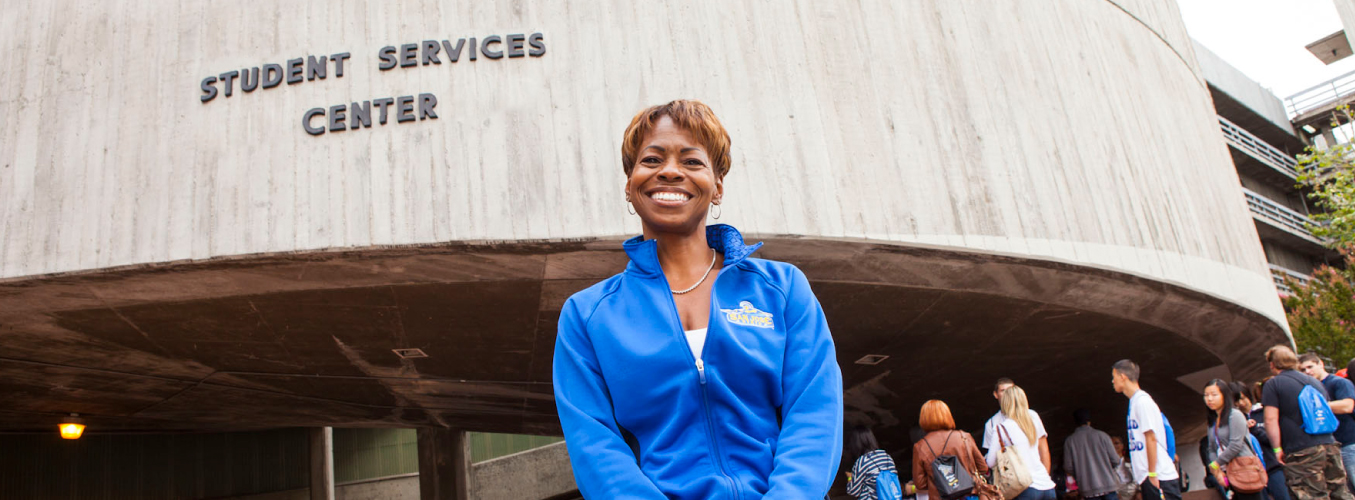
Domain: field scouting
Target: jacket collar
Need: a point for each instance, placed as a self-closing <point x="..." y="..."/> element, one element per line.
<point x="644" y="254"/>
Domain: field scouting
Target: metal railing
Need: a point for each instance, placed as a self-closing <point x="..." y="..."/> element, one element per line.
<point x="1259" y="149"/>
<point x="1280" y="273"/>
<point x="1320" y="95"/>
<point x="1280" y="216"/>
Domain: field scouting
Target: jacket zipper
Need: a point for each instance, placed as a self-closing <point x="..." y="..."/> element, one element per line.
<point x="701" y="379"/>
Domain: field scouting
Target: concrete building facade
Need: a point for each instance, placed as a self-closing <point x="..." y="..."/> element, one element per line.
<point x="1264" y="145"/>
<point x="1012" y="189"/>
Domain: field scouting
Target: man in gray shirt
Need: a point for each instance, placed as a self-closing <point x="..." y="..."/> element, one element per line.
<point x="1090" y="459"/>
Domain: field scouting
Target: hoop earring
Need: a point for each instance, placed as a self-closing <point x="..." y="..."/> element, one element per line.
<point x="630" y="208"/>
<point x="718" y="210"/>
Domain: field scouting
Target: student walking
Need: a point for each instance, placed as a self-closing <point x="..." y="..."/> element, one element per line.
<point x="1022" y="429"/>
<point x="942" y="439"/>
<point x="990" y="427"/>
<point x="1153" y="468"/>
<point x="1312" y="462"/>
<point x="870" y="463"/>
<point x="1227" y="437"/>
<point x="1090" y="459"/>
<point x="1276" y="489"/>
<point x="1341" y="397"/>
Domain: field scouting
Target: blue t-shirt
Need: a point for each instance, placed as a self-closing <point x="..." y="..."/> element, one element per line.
<point x="1339" y="388"/>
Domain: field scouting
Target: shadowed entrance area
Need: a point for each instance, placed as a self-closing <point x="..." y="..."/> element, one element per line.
<point x="307" y="340"/>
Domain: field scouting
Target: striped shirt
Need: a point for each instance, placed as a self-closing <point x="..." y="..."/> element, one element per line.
<point x="862" y="485"/>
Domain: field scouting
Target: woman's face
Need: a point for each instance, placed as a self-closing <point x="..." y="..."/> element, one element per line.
<point x="1213" y="398"/>
<point x="1119" y="445"/>
<point x="673" y="182"/>
<point x="1243" y="403"/>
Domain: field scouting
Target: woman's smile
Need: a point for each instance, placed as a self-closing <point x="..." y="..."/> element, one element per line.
<point x="669" y="197"/>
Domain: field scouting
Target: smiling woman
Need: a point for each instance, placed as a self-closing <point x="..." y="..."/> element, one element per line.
<point x="645" y="365"/>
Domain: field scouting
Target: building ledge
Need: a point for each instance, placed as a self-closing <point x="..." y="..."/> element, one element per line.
<point x="1331" y="48"/>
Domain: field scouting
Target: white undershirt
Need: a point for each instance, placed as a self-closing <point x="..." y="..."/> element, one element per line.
<point x="696" y="339"/>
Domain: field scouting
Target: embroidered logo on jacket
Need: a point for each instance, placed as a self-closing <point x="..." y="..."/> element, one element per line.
<point x="747" y="315"/>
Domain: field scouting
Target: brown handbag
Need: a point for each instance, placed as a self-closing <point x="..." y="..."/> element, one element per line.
<point x="982" y="487"/>
<point x="1244" y="474"/>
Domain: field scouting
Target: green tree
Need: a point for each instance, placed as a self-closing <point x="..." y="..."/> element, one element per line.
<point x="1322" y="312"/>
<point x="1329" y="174"/>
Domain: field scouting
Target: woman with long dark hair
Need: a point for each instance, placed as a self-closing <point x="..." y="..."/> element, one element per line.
<point x="868" y="463"/>
<point x="1227" y="435"/>
<point x="699" y="371"/>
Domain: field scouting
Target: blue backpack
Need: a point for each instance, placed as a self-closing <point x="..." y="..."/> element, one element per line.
<point x="1317" y="415"/>
<point x="1171" y="437"/>
<point x="1256" y="448"/>
<point x="887" y="486"/>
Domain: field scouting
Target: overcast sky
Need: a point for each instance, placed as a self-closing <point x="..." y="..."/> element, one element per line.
<point x="1265" y="39"/>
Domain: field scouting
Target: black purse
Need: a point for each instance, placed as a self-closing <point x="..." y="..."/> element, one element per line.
<point x="948" y="474"/>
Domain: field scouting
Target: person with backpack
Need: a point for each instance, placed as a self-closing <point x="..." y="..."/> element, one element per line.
<point x="1341" y="397"/>
<point x="1021" y="436"/>
<point x="946" y="462"/>
<point x="1149" y="453"/>
<point x="1300" y="424"/>
<point x="1275" y="485"/>
<point x="1233" y="462"/>
<point x="873" y="475"/>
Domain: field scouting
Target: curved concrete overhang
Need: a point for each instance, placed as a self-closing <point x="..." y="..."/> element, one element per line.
<point x="1014" y="188"/>
<point x="307" y="339"/>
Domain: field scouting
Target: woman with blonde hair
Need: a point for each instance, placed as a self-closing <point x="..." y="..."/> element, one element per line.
<point x="1023" y="430"/>
<point x="941" y="439"/>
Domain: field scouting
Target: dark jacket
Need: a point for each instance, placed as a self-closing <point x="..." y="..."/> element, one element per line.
<point x="1259" y="430"/>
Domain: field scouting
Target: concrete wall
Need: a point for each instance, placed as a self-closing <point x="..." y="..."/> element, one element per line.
<point x="404" y="487"/>
<point x="534" y="474"/>
<point x="540" y="473"/>
<point x="928" y="122"/>
<point x="1346" y="9"/>
<point x="1237" y="85"/>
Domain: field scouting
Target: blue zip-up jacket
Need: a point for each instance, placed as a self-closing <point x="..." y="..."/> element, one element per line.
<point x="759" y="416"/>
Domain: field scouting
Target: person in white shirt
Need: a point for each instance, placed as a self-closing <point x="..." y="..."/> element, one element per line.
<point x="1022" y="429"/>
<point x="990" y="428"/>
<point x="1152" y="467"/>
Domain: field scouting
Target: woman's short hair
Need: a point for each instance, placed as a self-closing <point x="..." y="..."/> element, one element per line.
<point x="692" y="116"/>
<point x="936" y="416"/>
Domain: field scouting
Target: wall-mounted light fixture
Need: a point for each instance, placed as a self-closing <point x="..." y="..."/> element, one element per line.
<point x="72" y="427"/>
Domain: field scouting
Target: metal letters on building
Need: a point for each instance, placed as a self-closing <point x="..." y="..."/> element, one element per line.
<point x="355" y="115"/>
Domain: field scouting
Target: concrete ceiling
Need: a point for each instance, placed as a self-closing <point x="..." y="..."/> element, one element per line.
<point x="305" y="340"/>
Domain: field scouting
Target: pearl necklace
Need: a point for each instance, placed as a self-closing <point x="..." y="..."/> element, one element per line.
<point x="703" y="277"/>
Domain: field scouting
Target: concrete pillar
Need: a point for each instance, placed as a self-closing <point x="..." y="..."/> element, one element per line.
<point x="444" y="464"/>
<point x="322" y="463"/>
